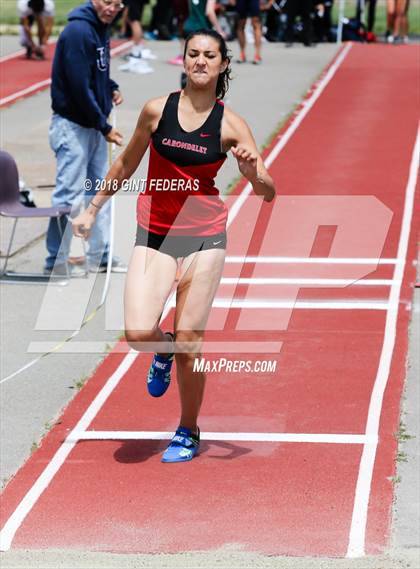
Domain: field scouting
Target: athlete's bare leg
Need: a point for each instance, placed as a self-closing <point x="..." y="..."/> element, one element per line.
<point x="400" y="7"/>
<point x="390" y="15"/>
<point x="200" y="277"/>
<point x="256" y="26"/>
<point x="137" y="36"/>
<point x="150" y="277"/>
<point x="241" y="38"/>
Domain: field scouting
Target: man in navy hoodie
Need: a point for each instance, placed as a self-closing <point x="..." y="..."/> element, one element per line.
<point x="82" y="97"/>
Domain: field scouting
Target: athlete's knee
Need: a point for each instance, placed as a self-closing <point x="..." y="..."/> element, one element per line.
<point x="137" y="339"/>
<point x="241" y="25"/>
<point x="188" y="345"/>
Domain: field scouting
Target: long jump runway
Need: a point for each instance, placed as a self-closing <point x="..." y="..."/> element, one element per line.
<point x="295" y="460"/>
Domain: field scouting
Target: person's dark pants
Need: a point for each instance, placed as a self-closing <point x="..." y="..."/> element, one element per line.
<point x="162" y="19"/>
<point x="371" y="13"/>
<point x="322" y="25"/>
<point x="293" y="9"/>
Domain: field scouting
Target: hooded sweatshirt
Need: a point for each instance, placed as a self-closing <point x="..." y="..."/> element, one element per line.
<point x="81" y="89"/>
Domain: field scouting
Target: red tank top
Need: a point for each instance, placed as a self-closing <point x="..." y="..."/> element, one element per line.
<point x="180" y="195"/>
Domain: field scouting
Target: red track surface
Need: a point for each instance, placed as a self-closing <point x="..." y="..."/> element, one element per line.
<point x="22" y="77"/>
<point x="270" y="497"/>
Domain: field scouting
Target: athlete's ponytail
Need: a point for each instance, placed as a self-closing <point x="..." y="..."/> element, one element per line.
<point x="224" y="77"/>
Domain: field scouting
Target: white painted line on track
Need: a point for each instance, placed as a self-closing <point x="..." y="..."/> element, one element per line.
<point x="13" y="523"/>
<point x="225" y="347"/>
<point x="284" y="139"/>
<point x="23" y="92"/>
<point x="356" y="546"/>
<point x="311" y="260"/>
<point x="221" y="436"/>
<point x="122" y="47"/>
<point x="299" y="304"/>
<point x="13" y="55"/>
<point x="46" y="82"/>
<point x="305" y="282"/>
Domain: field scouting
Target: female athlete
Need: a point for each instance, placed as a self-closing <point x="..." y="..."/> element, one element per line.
<point x="181" y="217"/>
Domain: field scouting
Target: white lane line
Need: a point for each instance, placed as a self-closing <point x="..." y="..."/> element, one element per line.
<point x="300" y="115"/>
<point x="13" y="523"/>
<point x="12" y="526"/>
<point x="356" y="546"/>
<point x="221" y="436"/>
<point x="23" y="92"/>
<point x="311" y="260"/>
<point x="46" y="82"/>
<point x="224" y="347"/>
<point x="305" y="282"/>
<point x="299" y="304"/>
<point x="119" y="48"/>
<point x="13" y="55"/>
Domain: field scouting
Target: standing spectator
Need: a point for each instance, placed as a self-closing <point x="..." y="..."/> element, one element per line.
<point x="162" y="19"/>
<point x="181" y="11"/>
<point x="304" y="9"/>
<point x="370" y="21"/>
<point x="322" y="21"/>
<point x="134" y="16"/>
<point x="82" y="96"/>
<point x="201" y="16"/>
<point x="397" y="21"/>
<point x="250" y="9"/>
<point x="41" y="12"/>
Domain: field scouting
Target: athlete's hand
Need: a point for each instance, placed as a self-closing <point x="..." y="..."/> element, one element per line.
<point x="82" y="224"/>
<point x="114" y="136"/>
<point x="117" y="98"/>
<point x="247" y="161"/>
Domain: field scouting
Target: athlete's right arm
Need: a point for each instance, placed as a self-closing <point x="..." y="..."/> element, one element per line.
<point x="123" y="167"/>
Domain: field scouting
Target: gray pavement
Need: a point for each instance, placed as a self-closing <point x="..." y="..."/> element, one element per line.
<point x="31" y="401"/>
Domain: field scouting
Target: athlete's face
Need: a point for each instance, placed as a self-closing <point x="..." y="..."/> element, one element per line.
<point x="106" y="10"/>
<point x="203" y="61"/>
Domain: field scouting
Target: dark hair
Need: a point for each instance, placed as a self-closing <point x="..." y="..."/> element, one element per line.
<point x="224" y="77"/>
<point x="36" y="5"/>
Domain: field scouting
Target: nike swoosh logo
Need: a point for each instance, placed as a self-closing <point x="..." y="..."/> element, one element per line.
<point x="202" y="135"/>
<point x="217" y="242"/>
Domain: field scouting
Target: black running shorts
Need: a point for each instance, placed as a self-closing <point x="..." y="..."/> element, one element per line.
<point x="247" y="9"/>
<point x="179" y="245"/>
<point x="135" y="9"/>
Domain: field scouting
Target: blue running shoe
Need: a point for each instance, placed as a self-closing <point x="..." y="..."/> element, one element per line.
<point x="159" y="376"/>
<point x="184" y="446"/>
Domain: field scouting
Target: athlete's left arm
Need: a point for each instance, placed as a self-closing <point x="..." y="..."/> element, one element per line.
<point x="238" y="138"/>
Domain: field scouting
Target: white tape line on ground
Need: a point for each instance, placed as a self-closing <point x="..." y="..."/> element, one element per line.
<point x="220" y="436"/>
<point x="305" y="282"/>
<point x="356" y="546"/>
<point x="299" y="304"/>
<point x="311" y="260"/>
<point x="222" y="347"/>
